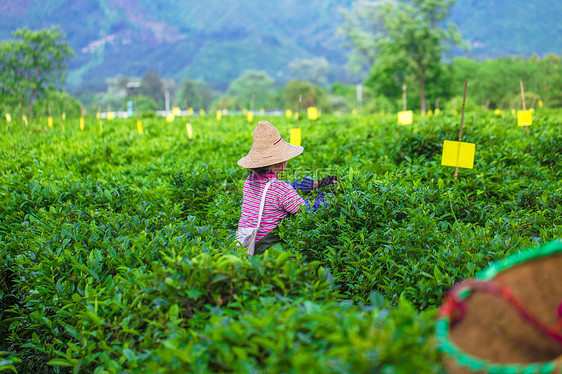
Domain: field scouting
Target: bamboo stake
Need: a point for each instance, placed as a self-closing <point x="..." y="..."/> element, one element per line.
<point x="462" y="122"/>
<point x="522" y="94"/>
<point x="299" y="113"/>
<point x="523" y="100"/>
<point x="60" y="117"/>
<point x="404" y="98"/>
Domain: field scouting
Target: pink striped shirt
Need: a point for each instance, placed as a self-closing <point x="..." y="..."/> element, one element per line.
<point x="280" y="200"/>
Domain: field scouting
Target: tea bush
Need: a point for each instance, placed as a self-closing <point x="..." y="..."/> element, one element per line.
<point x="117" y="250"/>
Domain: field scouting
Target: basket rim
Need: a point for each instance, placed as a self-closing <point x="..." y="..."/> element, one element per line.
<point x="442" y="324"/>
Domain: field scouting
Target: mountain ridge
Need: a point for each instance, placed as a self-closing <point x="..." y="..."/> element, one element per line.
<point x="218" y="40"/>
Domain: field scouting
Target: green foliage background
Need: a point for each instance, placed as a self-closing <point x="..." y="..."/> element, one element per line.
<point x="117" y="250"/>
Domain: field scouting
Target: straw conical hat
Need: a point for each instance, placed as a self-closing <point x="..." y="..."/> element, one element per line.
<point x="268" y="148"/>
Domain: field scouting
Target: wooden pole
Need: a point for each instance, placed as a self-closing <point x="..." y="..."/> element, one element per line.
<point x="60" y="118"/>
<point x="522" y="94"/>
<point x="299" y="113"/>
<point x="462" y="122"/>
<point x="359" y="95"/>
<point x="404" y="98"/>
<point x="523" y="100"/>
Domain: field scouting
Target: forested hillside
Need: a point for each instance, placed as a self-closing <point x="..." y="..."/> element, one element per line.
<point x="495" y="28"/>
<point x="218" y="40"/>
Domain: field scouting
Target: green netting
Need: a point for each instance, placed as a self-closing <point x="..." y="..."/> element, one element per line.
<point x="526" y="255"/>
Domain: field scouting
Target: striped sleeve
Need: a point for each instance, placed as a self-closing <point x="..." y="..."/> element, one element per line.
<point x="291" y="200"/>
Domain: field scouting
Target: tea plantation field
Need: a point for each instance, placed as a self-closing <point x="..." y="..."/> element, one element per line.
<point x="117" y="250"/>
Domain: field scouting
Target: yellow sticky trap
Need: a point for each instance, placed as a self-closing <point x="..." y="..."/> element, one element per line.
<point x="312" y="113"/>
<point x="110" y="116"/>
<point x="190" y="111"/>
<point x="101" y="127"/>
<point x="405" y="117"/>
<point x="189" y="130"/>
<point x="170" y="117"/>
<point x="244" y="111"/>
<point x="498" y="112"/>
<point x="219" y="115"/>
<point x="82" y="123"/>
<point x="250" y="116"/>
<point x="50" y="121"/>
<point x="8" y="117"/>
<point x="63" y="116"/>
<point x="429" y="113"/>
<point x="295" y="136"/>
<point x="262" y="111"/>
<point x="24" y="119"/>
<point x="201" y="112"/>
<point x="176" y="111"/>
<point x="98" y="115"/>
<point x="524" y="118"/>
<point x="458" y="154"/>
<point x="436" y="112"/>
<point x="541" y="104"/>
<point x="296" y="115"/>
<point x="532" y="110"/>
<point x="139" y="127"/>
<point x="288" y="113"/>
<point x="62" y="126"/>
<point x="512" y="112"/>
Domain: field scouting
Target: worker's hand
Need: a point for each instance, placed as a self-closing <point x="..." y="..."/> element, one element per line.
<point x="326" y="181"/>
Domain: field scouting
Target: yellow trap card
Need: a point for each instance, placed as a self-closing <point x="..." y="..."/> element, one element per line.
<point x="524" y="118"/>
<point x="405" y="117"/>
<point x="295" y="136"/>
<point x="458" y="154"/>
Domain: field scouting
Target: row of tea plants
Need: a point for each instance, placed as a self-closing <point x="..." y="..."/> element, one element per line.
<point x="117" y="250"/>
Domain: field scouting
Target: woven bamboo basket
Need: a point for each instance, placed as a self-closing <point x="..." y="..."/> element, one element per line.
<point x="508" y="319"/>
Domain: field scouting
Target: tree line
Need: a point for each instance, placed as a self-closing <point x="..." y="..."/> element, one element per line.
<point x="493" y="84"/>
